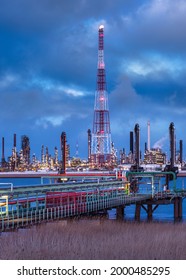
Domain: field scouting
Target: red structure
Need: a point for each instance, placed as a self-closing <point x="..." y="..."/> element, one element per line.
<point x="101" y="134"/>
<point x="75" y="201"/>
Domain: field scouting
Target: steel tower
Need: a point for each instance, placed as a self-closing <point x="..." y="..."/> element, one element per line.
<point x="101" y="135"/>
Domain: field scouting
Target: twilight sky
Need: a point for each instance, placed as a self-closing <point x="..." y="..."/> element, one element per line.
<point x="48" y="67"/>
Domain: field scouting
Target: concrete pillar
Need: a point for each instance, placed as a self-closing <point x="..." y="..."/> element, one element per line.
<point x="120" y="212"/>
<point x="176" y="208"/>
<point x="138" y="211"/>
<point x="180" y="208"/>
<point x="149" y="211"/>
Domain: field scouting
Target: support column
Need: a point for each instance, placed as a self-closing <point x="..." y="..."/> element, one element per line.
<point x="149" y="212"/>
<point x="180" y="208"/>
<point x="137" y="212"/>
<point x="176" y="208"/>
<point x="120" y="212"/>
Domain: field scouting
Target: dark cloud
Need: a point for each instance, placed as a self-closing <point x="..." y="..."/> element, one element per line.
<point x="48" y="60"/>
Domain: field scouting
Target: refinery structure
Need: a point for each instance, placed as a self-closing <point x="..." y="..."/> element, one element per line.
<point x="62" y="160"/>
<point x="101" y="153"/>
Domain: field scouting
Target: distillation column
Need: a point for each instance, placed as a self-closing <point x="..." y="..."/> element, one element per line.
<point x="63" y="152"/>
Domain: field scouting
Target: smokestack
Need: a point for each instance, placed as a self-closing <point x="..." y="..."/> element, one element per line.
<point x="63" y="152"/>
<point x="3" y="148"/>
<point x="89" y="145"/>
<point x="131" y="142"/>
<point x="172" y="144"/>
<point x="137" y="144"/>
<point x="181" y="151"/>
<point x="42" y="154"/>
<point x="148" y="138"/>
<point x="14" y="140"/>
<point x="3" y="151"/>
<point x="171" y="167"/>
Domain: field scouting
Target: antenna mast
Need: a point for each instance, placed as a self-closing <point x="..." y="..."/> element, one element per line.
<point x="101" y="135"/>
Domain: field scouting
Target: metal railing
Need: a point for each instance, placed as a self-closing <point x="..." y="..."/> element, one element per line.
<point x="25" y="217"/>
<point x="30" y="205"/>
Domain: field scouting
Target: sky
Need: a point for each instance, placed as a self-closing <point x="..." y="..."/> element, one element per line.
<point x="48" y="68"/>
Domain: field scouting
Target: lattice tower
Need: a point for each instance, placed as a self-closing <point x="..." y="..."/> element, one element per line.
<point x="101" y="134"/>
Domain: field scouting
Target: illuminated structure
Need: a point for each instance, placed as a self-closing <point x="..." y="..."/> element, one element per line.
<point x="154" y="156"/>
<point x="172" y="145"/>
<point x="101" y="134"/>
<point x="42" y="155"/>
<point x="3" y="161"/>
<point x="137" y="145"/>
<point x="25" y="145"/>
<point x="136" y="166"/>
<point x="65" y="153"/>
<point x="89" y="145"/>
<point x="181" y="152"/>
<point x="13" y="158"/>
<point x="56" y="156"/>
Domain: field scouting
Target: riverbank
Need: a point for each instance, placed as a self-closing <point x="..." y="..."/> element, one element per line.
<point x="95" y="239"/>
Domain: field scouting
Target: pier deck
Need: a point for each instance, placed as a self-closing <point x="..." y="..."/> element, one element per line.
<point x="27" y="205"/>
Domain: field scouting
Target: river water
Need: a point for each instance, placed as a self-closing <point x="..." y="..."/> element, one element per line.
<point x="164" y="213"/>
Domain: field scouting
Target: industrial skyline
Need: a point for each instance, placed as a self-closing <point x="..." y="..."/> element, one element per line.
<point x="47" y="70"/>
<point x="59" y="160"/>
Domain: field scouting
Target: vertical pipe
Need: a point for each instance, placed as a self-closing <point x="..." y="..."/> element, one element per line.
<point x="89" y="145"/>
<point x="14" y="140"/>
<point x="14" y="165"/>
<point x="137" y="144"/>
<point x="63" y="152"/>
<point x="3" y="151"/>
<point x="131" y="142"/>
<point x="172" y="144"/>
<point x="181" y="151"/>
<point x="42" y="154"/>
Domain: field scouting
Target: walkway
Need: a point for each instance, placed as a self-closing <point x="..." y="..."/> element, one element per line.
<point x="28" y="205"/>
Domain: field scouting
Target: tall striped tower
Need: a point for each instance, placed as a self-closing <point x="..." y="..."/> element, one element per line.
<point x="101" y="134"/>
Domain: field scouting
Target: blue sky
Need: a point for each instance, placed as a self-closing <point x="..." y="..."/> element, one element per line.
<point x="48" y="67"/>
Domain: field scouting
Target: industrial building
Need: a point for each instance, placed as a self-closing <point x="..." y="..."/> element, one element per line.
<point x="154" y="156"/>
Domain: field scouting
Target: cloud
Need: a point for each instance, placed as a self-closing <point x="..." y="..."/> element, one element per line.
<point x="155" y="65"/>
<point x="158" y="24"/>
<point x="48" y="64"/>
<point x="55" y="121"/>
<point x="124" y="94"/>
<point x="8" y="80"/>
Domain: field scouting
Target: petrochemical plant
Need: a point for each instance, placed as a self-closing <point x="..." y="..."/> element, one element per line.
<point x="101" y="153"/>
